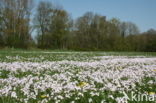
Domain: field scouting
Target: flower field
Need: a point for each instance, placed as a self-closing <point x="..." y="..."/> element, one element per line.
<point x="75" y="77"/>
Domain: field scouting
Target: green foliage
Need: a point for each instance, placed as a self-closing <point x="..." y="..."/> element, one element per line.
<point x="55" y="29"/>
<point x="52" y="25"/>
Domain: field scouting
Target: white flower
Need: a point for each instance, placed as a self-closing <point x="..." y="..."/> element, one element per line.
<point x="72" y="102"/>
<point x="90" y="100"/>
<point x="103" y="101"/>
<point x="13" y="94"/>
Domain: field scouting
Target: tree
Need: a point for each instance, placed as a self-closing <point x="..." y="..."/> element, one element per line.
<point x="16" y="22"/>
<point x="94" y="32"/>
<point x="42" y="22"/>
<point x="53" y="26"/>
<point x="126" y="28"/>
<point x="60" y="28"/>
<point x="1" y="30"/>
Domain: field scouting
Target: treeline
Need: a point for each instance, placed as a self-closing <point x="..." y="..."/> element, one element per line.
<point x="55" y="29"/>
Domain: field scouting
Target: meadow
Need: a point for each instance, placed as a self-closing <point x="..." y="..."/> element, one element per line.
<point x="76" y="77"/>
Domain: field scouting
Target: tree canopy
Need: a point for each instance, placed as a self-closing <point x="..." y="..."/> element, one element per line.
<point x="55" y="29"/>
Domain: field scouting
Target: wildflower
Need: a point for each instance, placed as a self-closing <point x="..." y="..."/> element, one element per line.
<point x="13" y="94"/>
<point x="111" y="96"/>
<point x="44" y="101"/>
<point x="103" y="101"/>
<point x="151" y="93"/>
<point x="72" y="102"/>
<point x="80" y="94"/>
<point x="82" y="84"/>
<point x="90" y="100"/>
<point x="43" y="96"/>
<point x="119" y="68"/>
<point x="150" y="82"/>
<point x="94" y="94"/>
<point x="60" y="97"/>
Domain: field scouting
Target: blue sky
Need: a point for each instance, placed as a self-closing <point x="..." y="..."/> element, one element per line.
<point x="141" y="12"/>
